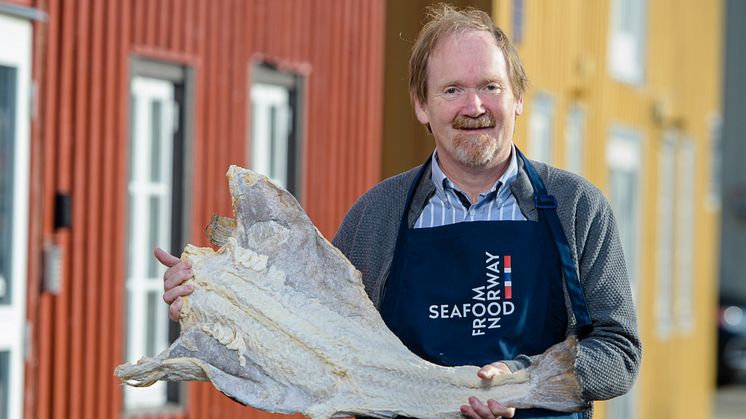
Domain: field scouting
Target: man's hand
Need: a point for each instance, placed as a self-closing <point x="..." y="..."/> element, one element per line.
<point x="178" y="271"/>
<point x="478" y="410"/>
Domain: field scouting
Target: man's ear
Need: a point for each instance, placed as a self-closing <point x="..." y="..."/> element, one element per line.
<point x="421" y="112"/>
<point x="518" y="106"/>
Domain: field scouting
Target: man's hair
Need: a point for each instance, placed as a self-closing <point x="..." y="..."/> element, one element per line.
<point x="444" y="20"/>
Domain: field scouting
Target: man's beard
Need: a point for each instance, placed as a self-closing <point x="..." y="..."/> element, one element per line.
<point x="476" y="150"/>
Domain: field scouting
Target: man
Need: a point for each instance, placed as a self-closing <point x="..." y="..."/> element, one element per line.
<point x="479" y="255"/>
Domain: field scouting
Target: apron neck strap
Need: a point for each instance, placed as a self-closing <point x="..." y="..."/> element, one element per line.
<point x="412" y="189"/>
<point x="542" y="200"/>
<point x="546" y="206"/>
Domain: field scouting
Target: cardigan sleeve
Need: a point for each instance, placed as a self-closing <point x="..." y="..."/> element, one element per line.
<point x="609" y="358"/>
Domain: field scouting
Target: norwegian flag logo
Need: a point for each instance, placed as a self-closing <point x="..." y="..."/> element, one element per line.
<point x="508" y="282"/>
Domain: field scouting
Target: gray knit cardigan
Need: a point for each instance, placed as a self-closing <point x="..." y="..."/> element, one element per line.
<point x="609" y="358"/>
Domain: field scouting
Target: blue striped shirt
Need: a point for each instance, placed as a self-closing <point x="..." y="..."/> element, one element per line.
<point x="450" y="205"/>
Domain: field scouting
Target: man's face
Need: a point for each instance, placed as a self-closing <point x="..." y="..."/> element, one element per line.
<point x="470" y="103"/>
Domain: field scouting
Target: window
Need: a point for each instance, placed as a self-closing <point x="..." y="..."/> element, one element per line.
<point x="575" y="139"/>
<point x="623" y="157"/>
<point x="684" y="303"/>
<point x="157" y="214"/>
<point x="518" y="20"/>
<point x="15" y="79"/>
<point x="666" y="236"/>
<point x="626" y="41"/>
<point x="275" y="126"/>
<point x="540" y="128"/>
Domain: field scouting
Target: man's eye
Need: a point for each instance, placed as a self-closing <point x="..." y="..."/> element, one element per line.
<point x="450" y="91"/>
<point x="492" y="87"/>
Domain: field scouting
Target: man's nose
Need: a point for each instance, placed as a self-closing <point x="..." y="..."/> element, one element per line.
<point x="473" y="106"/>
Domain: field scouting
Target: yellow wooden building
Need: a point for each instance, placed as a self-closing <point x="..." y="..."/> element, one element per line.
<point x="626" y="93"/>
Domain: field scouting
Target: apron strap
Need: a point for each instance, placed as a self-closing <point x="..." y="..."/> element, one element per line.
<point x="404" y="224"/>
<point x="546" y="205"/>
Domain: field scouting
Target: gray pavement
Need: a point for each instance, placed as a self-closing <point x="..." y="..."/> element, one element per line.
<point x="730" y="403"/>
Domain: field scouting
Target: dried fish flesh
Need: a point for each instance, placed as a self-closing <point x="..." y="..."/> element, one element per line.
<point x="279" y="320"/>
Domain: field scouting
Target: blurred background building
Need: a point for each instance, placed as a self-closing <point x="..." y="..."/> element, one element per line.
<point x="118" y="120"/>
<point x="732" y="320"/>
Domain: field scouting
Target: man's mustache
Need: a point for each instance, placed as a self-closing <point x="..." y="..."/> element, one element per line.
<point x="468" y="122"/>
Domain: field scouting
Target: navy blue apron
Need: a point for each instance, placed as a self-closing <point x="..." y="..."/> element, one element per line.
<point x="473" y="293"/>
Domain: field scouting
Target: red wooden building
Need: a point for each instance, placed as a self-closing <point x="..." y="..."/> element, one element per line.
<point x="118" y="121"/>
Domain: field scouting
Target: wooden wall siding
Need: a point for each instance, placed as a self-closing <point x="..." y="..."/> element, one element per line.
<point x="80" y="146"/>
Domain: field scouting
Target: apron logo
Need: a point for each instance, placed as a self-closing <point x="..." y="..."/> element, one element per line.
<point x="488" y="305"/>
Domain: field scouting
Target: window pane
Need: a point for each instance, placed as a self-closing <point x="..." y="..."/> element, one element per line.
<point x="153" y="230"/>
<point x="623" y="199"/>
<point x="273" y="138"/>
<point x="131" y="353"/>
<point x="684" y="303"/>
<point x="627" y="41"/>
<point x="574" y="139"/>
<point x="623" y="156"/>
<point x="133" y="133"/>
<point x="540" y="129"/>
<point x="132" y="226"/>
<point x="665" y="254"/>
<point x="518" y="10"/>
<point x="272" y="128"/>
<point x="8" y="84"/>
<point x="155" y="140"/>
<point x="152" y="344"/>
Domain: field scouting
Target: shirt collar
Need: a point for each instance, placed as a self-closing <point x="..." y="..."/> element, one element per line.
<point x="442" y="183"/>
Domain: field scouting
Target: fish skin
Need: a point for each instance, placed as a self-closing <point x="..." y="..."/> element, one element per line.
<point x="279" y="320"/>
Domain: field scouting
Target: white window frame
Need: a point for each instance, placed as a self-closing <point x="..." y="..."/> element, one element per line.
<point x="541" y="128"/>
<point x="624" y="154"/>
<point x="146" y="90"/>
<point x="685" y="220"/>
<point x="15" y="51"/>
<point x="626" y="54"/>
<point x="575" y="139"/>
<point x="666" y="236"/>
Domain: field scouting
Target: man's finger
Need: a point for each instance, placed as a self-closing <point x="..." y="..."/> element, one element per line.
<point x="480" y="409"/>
<point x="174" y="310"/>
<point x="467" y="411"/>
<point x="499" y="410"/>
<point x="181" y="291"/>
<point x="175" y="277"/>
<point x="165" y="258"/>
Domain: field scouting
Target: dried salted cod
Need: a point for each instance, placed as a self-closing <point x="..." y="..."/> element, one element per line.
<point x="279" y="320"/>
